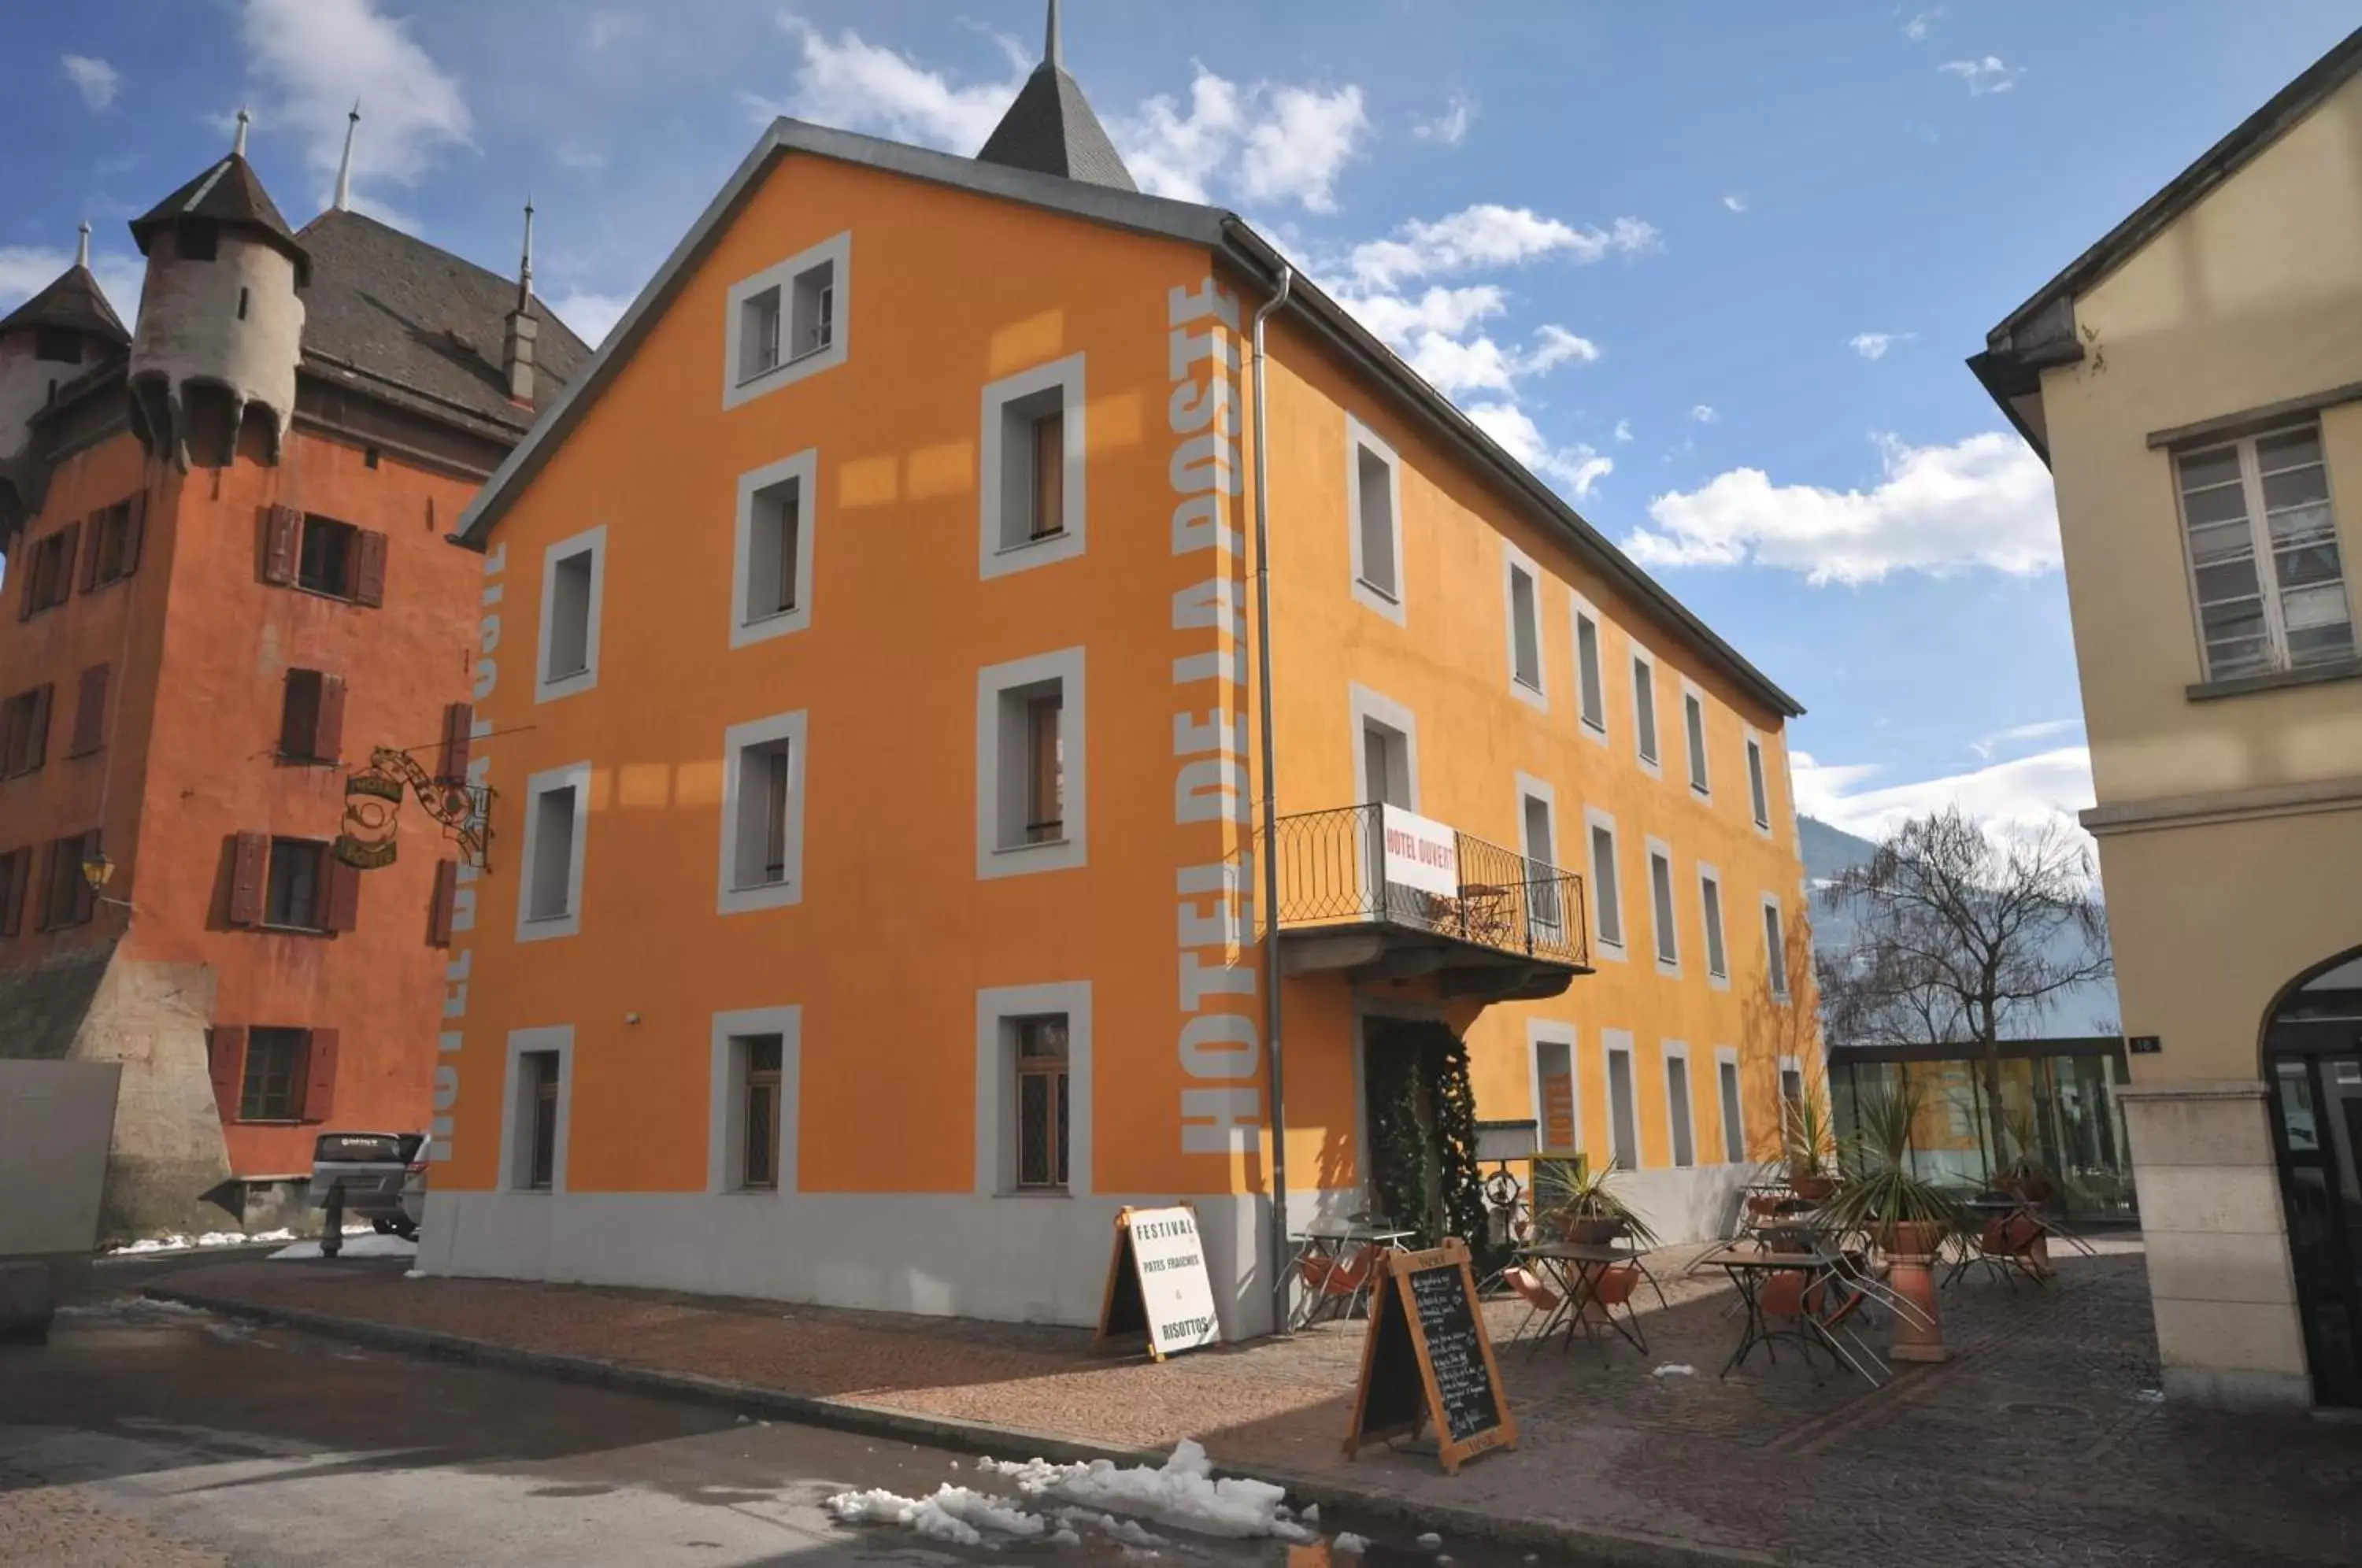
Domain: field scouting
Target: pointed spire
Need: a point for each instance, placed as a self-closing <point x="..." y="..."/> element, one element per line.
<point x="1054" y="51"/>
<point x="1050" y="127"/>
<point x="525" y="266"/>
<point x="82" y="251"/>
<point x="345" y="170"/>
<point x="238" y="148"/>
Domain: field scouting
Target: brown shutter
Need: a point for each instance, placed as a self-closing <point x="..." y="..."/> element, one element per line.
<point x="368" y="568"/>
<point x="228" y="1067"/>
<point x="36" y="742"/>
<point x="61" y="586"/>
<point x="280" y="525"/>
<point x="445" y="900"/>
<point x="320" y="1076"/>
<point x="87" y="847"/>
<point x="459" y="740"/>
<point x="135" y="531"/>
<point x="25" y="561"/>
<point x="90" y="712"/>
<point x="341" y="891"/>
<point x="250" y="863"/>
<point x="328" y="728"/>
<point x="16" y="874"/>
<point x="90" y="557"/>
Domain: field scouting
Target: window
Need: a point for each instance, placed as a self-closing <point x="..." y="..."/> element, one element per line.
<point x="1041" y="1078"/>
<point x="1791" y="1094"/>
<point x="759" y="1148"/>
<point x="1524" y="607"/>
<point x="550" y="895"/>
<point x="57" y="345"/>
<point x="538" y="1109"/>
<point x="271" y="1085"/>
<point x="242" y="295"/>
<point x="753" y="1139"/>
<point x="1623" y="1118"/>
<point x="1694" y="723"/>
<point x="1033" y="1090"/>
<point x="116" y="534"/>
<point x="323" y="556"/>
<point x="1758" y="793"/>
<point x="312" y="717"/>
<point x="1660" y="908"/>
<point x="787" y="322"/>
<point x="47" y="570"/>
<point x="1591" y="690"/>
<point x="1644" y="711"/>
<point x="1031" y="505"/>
<point x="1374" y="489"/>
<point x="573" y="584"/>
<point x="1556" y="1123"/>
<point x="15" y="883"/>
<point x="1717" y="957"/>
<point x="1677" y="1104"/>
<point x="1775" y="949"/>
<point x="1606" y="897"/>
<point x="763" y="814"/>
<point x="1734" y="1121"/>
<point x="1030" y="799"/>
<point x="197" y="239"/>
<point x="325" y="565"/>
<point x="771" y="576"/>
<point x="25" y="732"/>
<point x="1538" y="836"/>
<point x="2263" y="555"/>
<point x="1386" y="756"/>
<point x="296" y="899"/>
<point x="67" y="897"/>
<point x="541" y="1085"/>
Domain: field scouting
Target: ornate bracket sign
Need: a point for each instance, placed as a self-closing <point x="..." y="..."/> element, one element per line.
<point x="373" y="804"/>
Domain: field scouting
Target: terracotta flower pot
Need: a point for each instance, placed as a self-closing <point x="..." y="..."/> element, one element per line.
<point x="1911" y="1238"/>
<point x="1594" y="1231"/>
<point x="1813" y="1189"/>
<point x="2035" y="1189"/>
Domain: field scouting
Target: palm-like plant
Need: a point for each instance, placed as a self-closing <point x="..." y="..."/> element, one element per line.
<point x="1566" y="1191"/>
<point x="1808" y="1140"/>
<point x="1878" y="1189"/>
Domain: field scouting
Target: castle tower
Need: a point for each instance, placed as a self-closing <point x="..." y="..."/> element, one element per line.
<point x="46" y="342"/>
<point x="221" y="323"/>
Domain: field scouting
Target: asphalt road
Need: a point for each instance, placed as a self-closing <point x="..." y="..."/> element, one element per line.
<point x="145" y="1436"/>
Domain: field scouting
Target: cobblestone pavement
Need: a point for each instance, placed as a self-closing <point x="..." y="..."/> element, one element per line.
<point x="2043" y="1441"/>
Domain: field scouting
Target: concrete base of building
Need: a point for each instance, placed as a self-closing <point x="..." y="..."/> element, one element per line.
<point x="2221" y="1389"/>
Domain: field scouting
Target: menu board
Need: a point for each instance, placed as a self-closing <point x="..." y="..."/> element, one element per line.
<point x="1157" y="1283"/>
<point x="1428" y="1358"/>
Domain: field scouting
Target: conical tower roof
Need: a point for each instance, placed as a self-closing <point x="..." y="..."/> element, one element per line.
<point x="228" y="192"/>
<point x="1051" y="128"/>
<point x="75" y="302"/>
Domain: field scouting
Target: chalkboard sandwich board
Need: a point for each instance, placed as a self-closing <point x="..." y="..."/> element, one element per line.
<point x="1428" y="1359"/>
<point x="1157" y="1284"/>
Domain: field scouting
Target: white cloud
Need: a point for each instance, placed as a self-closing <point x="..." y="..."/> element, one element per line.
<point x="1917" y="28"/>
<point x="2015" y="799"/>
<point x="1735" y="202"/>
<point x="1270" y="142"/>
<point x="579" y="155"/>
<point x="1301" y="143"/>
<point x="1874" y="344"/>
<point x="1576" y="468"/>
<point x="96" y="80"/>
<point x="315" y="57"/>
<point x="591" y="317"/>
<point x="1488" y="235"/>
<point x="862" y="86"/>
<point x="27" y="270"/>
<point x="2018" y="735"/>
<point x="1450" y="127"/>
<point x="1704" y="413"/>
<point x="1982" y="502"/>
<point x="1623" y="431"/>
<point x="604" y="27"/>
<point x="1984" y="76"/>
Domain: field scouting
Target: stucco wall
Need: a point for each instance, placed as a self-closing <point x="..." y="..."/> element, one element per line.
<point x="54" y="1120"/>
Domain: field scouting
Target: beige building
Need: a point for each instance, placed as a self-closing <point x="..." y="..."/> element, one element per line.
<point x="2194" y="379"/>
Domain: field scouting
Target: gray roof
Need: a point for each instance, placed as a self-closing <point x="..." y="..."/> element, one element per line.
<point x="1222" y="233"/>
<point x="229" y="191"/>
<point x="1050" y="130"/>
<point x="394" y="310"/>
<point x="73" y="301"/>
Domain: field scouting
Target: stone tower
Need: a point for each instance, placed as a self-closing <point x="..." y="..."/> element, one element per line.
<point x="221" y="321"/>
<point x="47" y="342"/>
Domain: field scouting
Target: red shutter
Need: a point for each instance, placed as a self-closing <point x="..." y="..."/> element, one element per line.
<point x="90" y="557"/>
<point x="90" y="713"/>
<point x="15" y="873"/>
<point x="86" y="896"/>
<point x="61" y="585"/>
<point x="368" y="568"/>
<point x="249" y="863"/>
<point x="444" y="901"/>
<point x="280" y="526"/>
<point x="459" y="740"/>
<point x="135" y="531"/>
<point x="341" y="890"/>
<point x="228" y="1067"/>
<point x="320" y="1077"/>
<point x="37" y="743"/>
<point x="328" y="728"/>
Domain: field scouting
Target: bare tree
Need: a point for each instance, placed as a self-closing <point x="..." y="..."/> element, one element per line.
<point x="1958" y="935"/>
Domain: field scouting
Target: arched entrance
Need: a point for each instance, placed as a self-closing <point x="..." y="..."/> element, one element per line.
<point x="2312" y="1059"/>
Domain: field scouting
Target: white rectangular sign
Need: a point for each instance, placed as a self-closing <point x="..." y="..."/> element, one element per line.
<point x="1172" y="1280"/>
<point x="1418" y="852"/>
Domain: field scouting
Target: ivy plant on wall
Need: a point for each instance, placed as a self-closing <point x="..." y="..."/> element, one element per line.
<point x="1422" y="1114"/>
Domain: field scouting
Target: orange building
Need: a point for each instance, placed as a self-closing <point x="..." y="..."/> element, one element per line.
<point x="230" y="579"/>
<point x="877" y="899"/>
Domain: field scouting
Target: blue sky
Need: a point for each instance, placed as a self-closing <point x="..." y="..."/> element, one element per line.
<point x="1711" y="268"/>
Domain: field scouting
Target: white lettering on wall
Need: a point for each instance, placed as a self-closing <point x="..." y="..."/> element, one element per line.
<point x="451" y="1045"/>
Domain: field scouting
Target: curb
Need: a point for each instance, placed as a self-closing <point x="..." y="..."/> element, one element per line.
<point x="1603" y="1548"/>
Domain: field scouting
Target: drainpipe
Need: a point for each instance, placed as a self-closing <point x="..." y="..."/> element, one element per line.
<point x="1286" y="282"/>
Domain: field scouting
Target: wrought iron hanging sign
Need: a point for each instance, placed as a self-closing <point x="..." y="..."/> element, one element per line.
<point x="373" y="806"/>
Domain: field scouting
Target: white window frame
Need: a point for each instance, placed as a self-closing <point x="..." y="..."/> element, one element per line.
<point x="1786" y="1066"/>
<point x="2268" y="577"/>
<point x="994" y="556"/>
<point x="782" y="276"/>
<point x="547" y="688"/>
<point x="804" y="469"/>
<point x="1579" y="611"/>
<point x="1700" y="746"/>
<point x="1685" y="1108"/>
<point x="1513" y="561"/>
<point x="791" y="728"/>
<point x="1615" y="1043"/>
<point x="726" y="1113"/>
<point x="996" y="1090"/>
<point x="1649" y="729"/>
<point x="1776" y="966"/>
<point x="1665" y="919"/>
<point x="1541" y="1032"/>
<point x="1725" y="1057"/>
<point x="1714" y="925"/>
<point x="994" y="859"/>
<point x="1359" y="439"/>
<point x="1759" y="782"/>
<point x="1602" y="889"/>
<point x="1365" y="706"/>
<point x="516" y="1137"/>
<point x="575" y="776"/>
<point x="1530" y="788"/>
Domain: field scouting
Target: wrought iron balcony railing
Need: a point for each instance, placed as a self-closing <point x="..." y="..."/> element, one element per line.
<point x="1375" y="865"/>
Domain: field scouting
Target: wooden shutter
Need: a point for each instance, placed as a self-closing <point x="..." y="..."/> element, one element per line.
<point x="61" y="585"/>
<point x="369" y="567"/>
<point x="459" y="740"/>
<point x="281" y="526"/>
<point x="340" y="890"/>
<point x="90" y="557"/>
<point x="228" y="1067"/>
<point x="36" y="739"/>
<point x="444" y="901"/>
<point x="328" y="728"/>
<point x="250" y="863"/>
<point x="25" y="561"/>
<point x="15" y="874"/>
<point x="90" y="712"/>
<point x="135" y="530"/>
<point x="320" y="1076"/>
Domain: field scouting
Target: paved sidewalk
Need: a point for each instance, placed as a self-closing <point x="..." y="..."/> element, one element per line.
<point x="2042" y="1441"/>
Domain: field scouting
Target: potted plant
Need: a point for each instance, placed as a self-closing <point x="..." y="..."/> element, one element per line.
<point x="1879" y="1192"/>
<point x="2025" y="1173"/>
<point x="1575" y="1203"/>
<point x="1808" y="1146"/>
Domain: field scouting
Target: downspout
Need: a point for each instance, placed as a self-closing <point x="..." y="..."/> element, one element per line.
<point x="1286" y="282"/>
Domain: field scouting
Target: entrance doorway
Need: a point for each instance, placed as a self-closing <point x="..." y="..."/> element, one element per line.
<point x="1421" y="1122"/>
<point x="2312" y="1059"/>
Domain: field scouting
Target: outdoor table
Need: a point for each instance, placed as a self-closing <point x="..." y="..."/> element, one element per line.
<point x="1577" y="1267"/>
<point x="1750" y="1268"/>
<point x="1321" y="1250"/>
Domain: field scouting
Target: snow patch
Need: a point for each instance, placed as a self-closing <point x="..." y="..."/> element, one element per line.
<point x="1430" y="1540"/>
<point x="954" y="1514"/>
<point x="1182" y="1493"/>
<point x="1675" y="1369"/>
<point x="368" y="1244"/>
<point x="178" y="1244"/>
<point x="1123" y="1532"/>
<point x="1348" y="1544"/>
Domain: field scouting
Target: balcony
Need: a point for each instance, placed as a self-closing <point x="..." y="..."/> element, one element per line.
<point x="1382" y="894"/>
